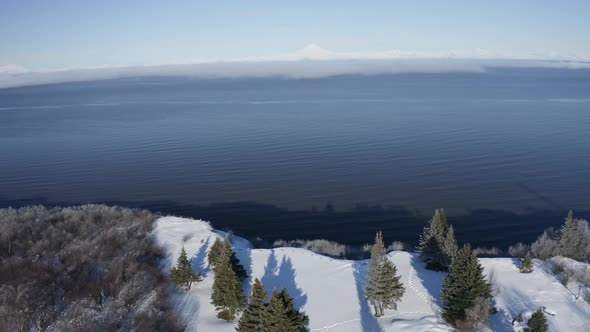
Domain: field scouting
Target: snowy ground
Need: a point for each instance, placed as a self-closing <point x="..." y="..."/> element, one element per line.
<point x="329" y="290"/>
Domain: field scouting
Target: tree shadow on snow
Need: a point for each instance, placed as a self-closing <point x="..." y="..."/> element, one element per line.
<point x="520" y="303"/>
<point x="517" y="262"/>
<point x="287" y="279"/>
<point x="269" y="279"/>
<point x="245" y="257"/>
<point x="431" y="280"/>
<point x="283" y="276"/>
<point x="186" y="304"/>
<point x="199" y="261"/>
<point x="526" y="302"/>
<point x="369" y="322"/>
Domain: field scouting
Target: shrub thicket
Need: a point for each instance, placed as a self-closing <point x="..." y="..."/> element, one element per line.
<point x="91" y="268"/>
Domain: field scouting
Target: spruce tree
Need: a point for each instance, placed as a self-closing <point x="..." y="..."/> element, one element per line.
<point x="383" y="287"/>
<point x="391" y="287"/>
<point x="255" y="315"/>
<point x="228" y="294"/>
<point x="570" y="238"/>
<point x="437" y="242"/>
<point x="276" y="319"/>
<point x="296" y="321"/>
<point x="463" y="286"/>
<point x="450" y="246"/>
<point x="215" y="252"/>
<point x="372" y="286"/>
<point x="182" y="274"/>
<point x="538" y="322"/>
<point x="526" y="265"/>
<point x="234" y="261"/>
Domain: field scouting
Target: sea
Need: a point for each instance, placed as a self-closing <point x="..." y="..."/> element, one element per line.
<point x="505" y="153"/>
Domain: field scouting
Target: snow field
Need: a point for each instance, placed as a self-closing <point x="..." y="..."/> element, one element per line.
<point x="330" y="291"/>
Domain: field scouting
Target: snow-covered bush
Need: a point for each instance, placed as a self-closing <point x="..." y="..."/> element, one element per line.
<point x="572" y="274"/>
<point x="81" y="268"/>
<point x="476" y="316"/>
<point x="366" y="248"/>
<point x="319" y="246"/>
<point x="546" y="246"/>
<point x="396" y="246"/>
<point x="490" y="252"/>
<point x="572" y="241"/>
<point x="519" y="250"/>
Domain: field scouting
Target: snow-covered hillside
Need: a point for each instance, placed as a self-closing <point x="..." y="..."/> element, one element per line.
<point x="330" y="292"/>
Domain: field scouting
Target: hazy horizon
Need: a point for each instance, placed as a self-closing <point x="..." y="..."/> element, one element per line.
<point x="70" y="41"/>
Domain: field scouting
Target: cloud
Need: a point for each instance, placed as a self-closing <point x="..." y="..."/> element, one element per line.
<point x="312" y="61"/>
<point x="12" y="69"/>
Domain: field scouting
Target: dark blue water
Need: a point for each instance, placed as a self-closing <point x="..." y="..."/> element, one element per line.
<point x="333" y="157"/>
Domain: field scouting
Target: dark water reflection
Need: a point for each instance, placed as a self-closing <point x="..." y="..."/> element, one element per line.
<point x="355" y="227"/>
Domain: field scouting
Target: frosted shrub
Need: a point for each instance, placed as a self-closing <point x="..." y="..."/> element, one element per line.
<point x="482" y="251"/>
<point x="396" y="246"/>
<point x="280" y="243"/>
<point x="573" y="275"/>
<point x="518" y="250"/>
<point x="81" y="268"/>
<point x="545" y="247"/>
<point x="319" y="246"/>
<point x="326" y="247"/>
<point x="572" y="241"/>
<point x="476" y="316"/>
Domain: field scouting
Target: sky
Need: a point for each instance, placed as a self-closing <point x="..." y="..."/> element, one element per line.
<point x="56" y="35"/>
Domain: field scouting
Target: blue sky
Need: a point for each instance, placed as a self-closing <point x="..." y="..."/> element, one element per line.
<point x="69" y="34"/>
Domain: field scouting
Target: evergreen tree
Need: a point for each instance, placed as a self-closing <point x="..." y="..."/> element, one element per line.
<point x="228" y="294"/>
<point x="450" y="246"/>
<point x="463" y="286"/>
<point x="182" y="274"/>
<point x="538" y="322"/>
<point x="256" y="313"/>
<point x="526" y="265"/>
<point x="276" y="319"/>
<point x="234" y="261"/>
<point x="383" y="287"/>
<point x="437" y="242"/>
<point x="570" y="238"/>
<point x="282" y="316"/>
<point x="215" y="252"/>
<point x="372" y="286"/>
<point x="391" y="287"/>
<point x="296" y="320"/>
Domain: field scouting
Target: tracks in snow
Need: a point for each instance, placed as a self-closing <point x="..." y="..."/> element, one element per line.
<point x="410" y="281"/>
<point x="329" y="327"/>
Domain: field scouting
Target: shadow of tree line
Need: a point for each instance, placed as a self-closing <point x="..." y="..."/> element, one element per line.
<point x="278" y="276"/>
<point x="263" y="223"/>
